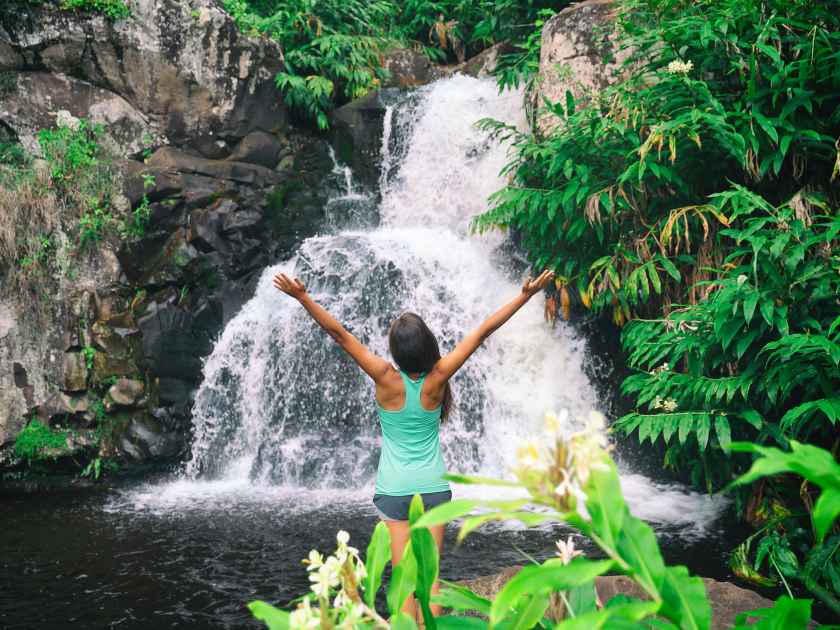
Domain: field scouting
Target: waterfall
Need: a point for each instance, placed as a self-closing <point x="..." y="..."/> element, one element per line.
<point x="281" y="405"/>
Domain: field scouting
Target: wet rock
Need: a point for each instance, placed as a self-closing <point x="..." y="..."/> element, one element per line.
<point x="484" y="63"/>
<point x="74" y="372"/>
<point x="577" y="54"/>
<point x="258" y="147"/>
<point x="145" y="439"/>
<point x="183" y="70"/>
<point x="409" y="68"/>
<point x="127" y="392"/>
<point x="169" y="158"/>
<point x="357" y="134"/>
<point x="170" y="347"/>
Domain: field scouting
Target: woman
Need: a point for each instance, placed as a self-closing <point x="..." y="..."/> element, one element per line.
<point x="412" y="400"/>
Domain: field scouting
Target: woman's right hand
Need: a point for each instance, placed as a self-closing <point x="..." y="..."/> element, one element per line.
<point x="293" y="288"/>
<point x="531" y="287"/>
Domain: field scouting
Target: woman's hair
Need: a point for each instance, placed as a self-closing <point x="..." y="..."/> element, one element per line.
<point x="415" y="349"/>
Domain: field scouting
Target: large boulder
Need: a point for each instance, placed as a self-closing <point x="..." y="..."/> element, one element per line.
<point x="578" y="54"/>
<point x="175" y="72"/>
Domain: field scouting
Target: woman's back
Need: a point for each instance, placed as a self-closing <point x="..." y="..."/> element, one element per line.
<point x="411" y="459"/>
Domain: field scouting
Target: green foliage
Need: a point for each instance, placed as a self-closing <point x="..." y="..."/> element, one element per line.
<point x="673" y="598"/>
<point x="97" y="466"/>
<point x="35" y="438"/>
<point x="89" y="352"/>
<point x="328" y="48"/>
<point x="697" y="199"/>
<point x="112" y="9"/>
<point x="334" y="49"/>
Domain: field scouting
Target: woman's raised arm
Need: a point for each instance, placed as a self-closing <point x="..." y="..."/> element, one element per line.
<point x="452" y="362"/>
<point x="374" y="366"/>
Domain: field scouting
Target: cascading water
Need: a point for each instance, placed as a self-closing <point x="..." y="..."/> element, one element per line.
<point x="281" y="406"/>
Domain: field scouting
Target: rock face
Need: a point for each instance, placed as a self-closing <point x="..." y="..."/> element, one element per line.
<point x="228" y="187"/>
<point x="577" y="54"/>
<point x="172" y="73"/>
<point x="728" y="600"/>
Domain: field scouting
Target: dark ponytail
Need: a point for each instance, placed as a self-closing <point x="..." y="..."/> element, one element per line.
<point x="415" y="349"/>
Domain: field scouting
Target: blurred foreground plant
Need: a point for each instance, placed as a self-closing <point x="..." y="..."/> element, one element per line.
<point x="572" y="479"/>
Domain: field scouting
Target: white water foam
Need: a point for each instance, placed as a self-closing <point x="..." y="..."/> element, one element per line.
<point x="283" y="413"/>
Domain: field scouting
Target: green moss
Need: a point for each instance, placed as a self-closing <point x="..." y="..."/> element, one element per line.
<point x="35" y="438"/>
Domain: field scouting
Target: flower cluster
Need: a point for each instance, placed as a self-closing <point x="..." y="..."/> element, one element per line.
<point x="335" y="584"/>
<point x="666" y="404"/>
<point x="556" y="469"/>
<point x="680" y="67"/>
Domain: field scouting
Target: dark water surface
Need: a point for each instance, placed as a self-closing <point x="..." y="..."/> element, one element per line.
<point x="154" y="556"/>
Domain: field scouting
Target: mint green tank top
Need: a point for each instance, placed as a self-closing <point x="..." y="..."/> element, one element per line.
<point x="411" y="460"/>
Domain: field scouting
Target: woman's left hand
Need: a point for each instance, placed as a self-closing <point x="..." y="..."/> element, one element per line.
<point x="293" y="288"/>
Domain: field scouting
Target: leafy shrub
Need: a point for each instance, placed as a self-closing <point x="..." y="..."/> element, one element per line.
<point x="574" y="481"/>
<point x="697" y="198"/>
<point x="333" y="49"/>
<point x="35" y="438"/>
<point x="112" y="9"/>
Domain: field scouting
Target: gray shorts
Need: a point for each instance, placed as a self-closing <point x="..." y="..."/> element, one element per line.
<point x="395" y="508"/>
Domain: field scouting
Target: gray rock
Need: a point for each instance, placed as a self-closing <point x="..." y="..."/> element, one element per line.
<point x="577" y="54"/>
<point x="258" y="147"/>
<point x="409" y="68"/>
<point x="144" y="439"/>
<point x="61" y="405"/>
<point x="127" y="392"/>
<point x="74" y="372"/>
<point x="172" y="159"/>
<point x="182" y="71"/>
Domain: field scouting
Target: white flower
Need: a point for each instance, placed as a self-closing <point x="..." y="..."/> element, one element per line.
<point x="680" y="67"/>
<point x="326" y="577"/>
<point x="556" y="423"/>
<point x="304" y="617"/>
<point x="566" y="550"/>
<point x="669" y="405"/>
<point x="314" y="561"/>
<point x="63" y="118"/>
<point x="530" y="456"/>
<point x="742" y="279"/>
<point x="595" y="422"/>
<point x="342" y="537"/>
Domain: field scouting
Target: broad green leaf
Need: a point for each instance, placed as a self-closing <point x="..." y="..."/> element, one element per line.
<point x="750" y="302"/>
<point x="637" y="546"/>
<point x="402" y="621"/>
<point x="582" y="599"/>
<point x="403" y="580"/>
<point x="609" y="618"/>
<point x="528" y="612"/>
<point x="826" y="511"/>
<point x="670" y="268"/>
<point x="274" y="618"/>
<point x="684" y="600"/>
<point x="415" y="509"/>
<point x="529" y="519"/>
<point x="722" y="430"/>
<point x="480" y="481"/>
<point x="550" y="576"/>
<point x="459" y="597"/>
<point x="377" y="557"/>
<point x="426" y="554"/>
<point x="460" y="623"/>
<point x="786" y="614"/>
<point x="457" y="508"/>
<point x="605" y="504"/>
